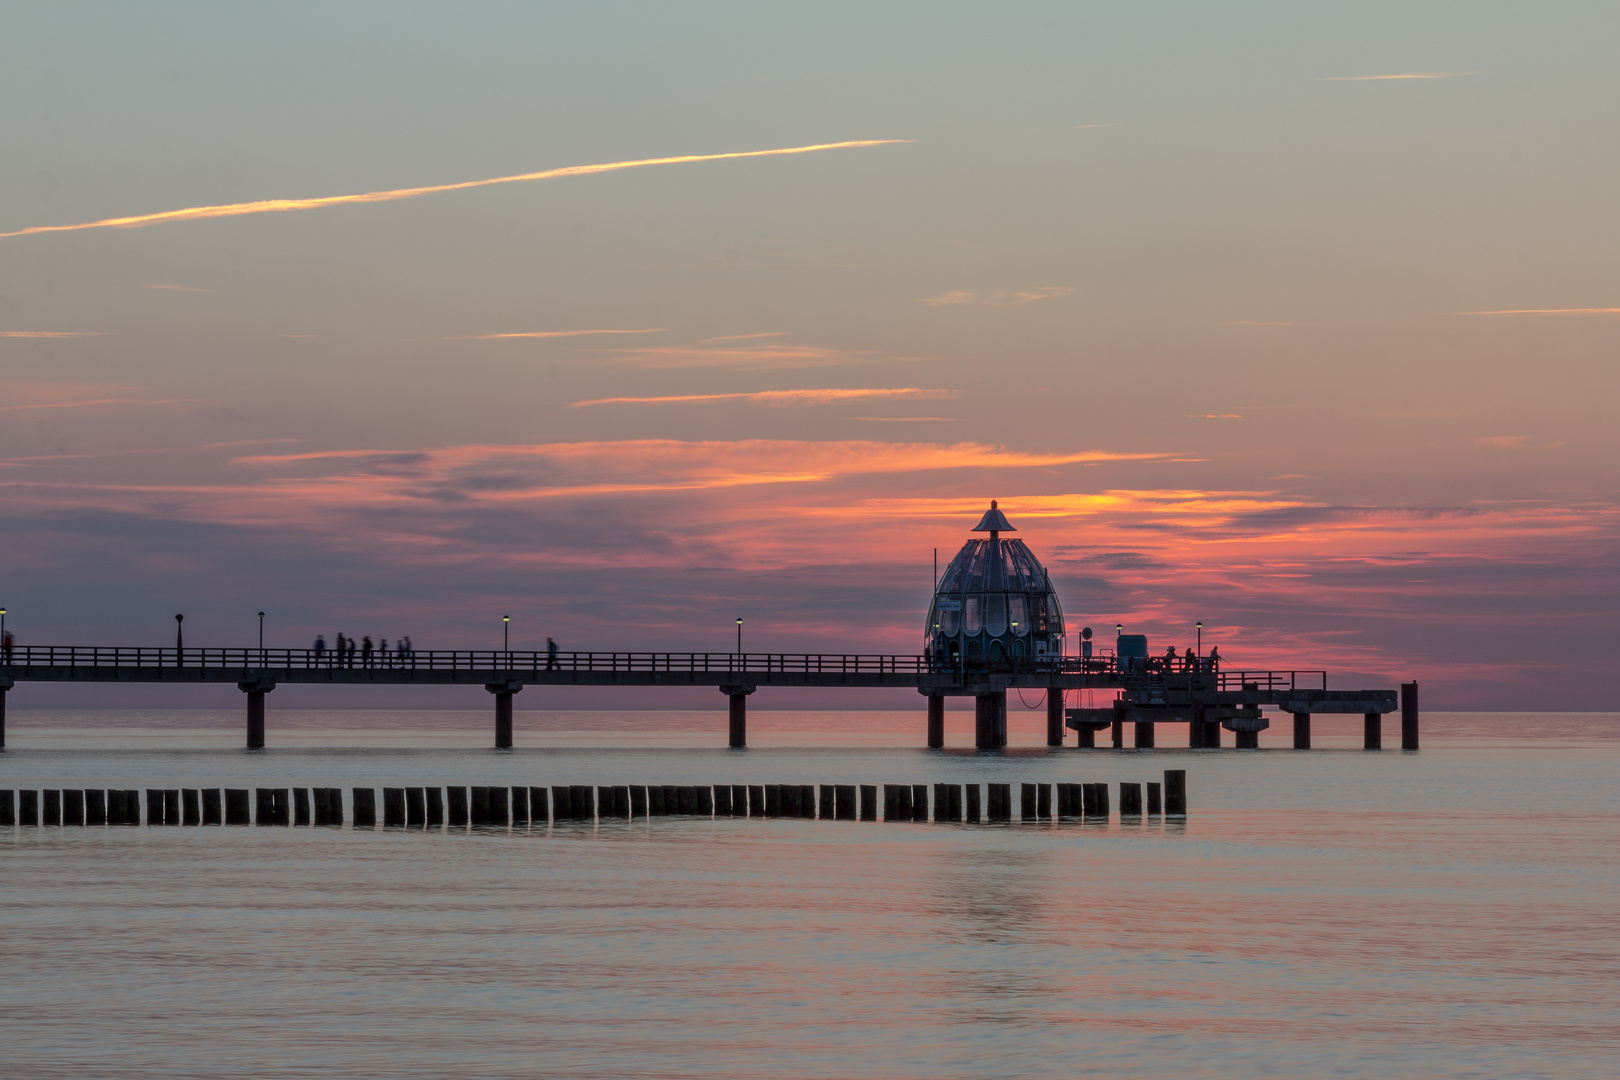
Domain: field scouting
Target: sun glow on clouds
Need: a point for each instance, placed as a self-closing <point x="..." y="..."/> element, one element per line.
<point x="271" y="206"/>
<point x="1321" y="584"/>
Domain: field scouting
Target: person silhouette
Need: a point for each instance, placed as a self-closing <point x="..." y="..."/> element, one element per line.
<point x="551" y="655"/>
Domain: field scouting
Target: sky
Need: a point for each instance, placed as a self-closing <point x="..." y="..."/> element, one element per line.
<point x="1299" y="320"/>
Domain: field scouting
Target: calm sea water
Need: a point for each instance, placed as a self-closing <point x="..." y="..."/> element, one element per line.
<point x="1450" y="913"/>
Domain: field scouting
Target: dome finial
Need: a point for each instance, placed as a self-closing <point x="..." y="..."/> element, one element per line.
<point x="994" y="522"/>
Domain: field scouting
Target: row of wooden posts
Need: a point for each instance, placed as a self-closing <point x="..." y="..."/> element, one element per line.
<point x="461" y="807"/>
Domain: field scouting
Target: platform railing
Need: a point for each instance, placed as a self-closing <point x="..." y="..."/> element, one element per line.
<point x="1154" y="684"/>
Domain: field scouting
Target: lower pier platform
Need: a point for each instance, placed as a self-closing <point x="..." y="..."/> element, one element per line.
<point x="1207" y="713"/>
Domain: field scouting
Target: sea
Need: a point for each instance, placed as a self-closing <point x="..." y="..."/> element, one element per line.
<point x="1449" y="912"/>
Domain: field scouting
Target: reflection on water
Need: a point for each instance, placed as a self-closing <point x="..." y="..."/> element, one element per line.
<point x="1448" y="913"/>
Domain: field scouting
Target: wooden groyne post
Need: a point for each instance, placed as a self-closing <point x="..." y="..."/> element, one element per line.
<point x="1175" y="793"/>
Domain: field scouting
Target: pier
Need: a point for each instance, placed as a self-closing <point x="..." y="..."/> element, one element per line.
<point x="1206" y="702"/>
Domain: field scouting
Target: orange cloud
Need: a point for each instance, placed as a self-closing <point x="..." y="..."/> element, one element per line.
<point x="744" y="337"/>
<point x="745" y="357"/>
<point x="1004" y="299"/>
<point x="778" y="398"/>
<point x="552" y="334"/>
<point x="1549" y="311"/>
<point x="270" y="206"/>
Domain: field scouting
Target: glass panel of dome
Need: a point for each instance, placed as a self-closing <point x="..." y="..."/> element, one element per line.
<point x="1016" y="613"/>
<point x="948" y="621"/>
<point x="970" y="615"/>
<point x="995" y="614"/>
<point x="974" y="579"/>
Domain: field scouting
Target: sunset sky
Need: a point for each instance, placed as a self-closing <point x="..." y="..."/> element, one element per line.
<point x="1301" y="320"/>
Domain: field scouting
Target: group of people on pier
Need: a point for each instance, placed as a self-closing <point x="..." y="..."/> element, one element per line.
<point x="1172" y="663"/>
<point x="344" y="652"/>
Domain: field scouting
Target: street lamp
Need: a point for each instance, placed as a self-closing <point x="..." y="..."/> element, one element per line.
<point x="506" y="633"/>
<point x="739" y="636"/>
<point x="179" y="642"/>
<point x="2" y="624"/>
<point x="1200" y="627"/>
<point x="261" y="637"/>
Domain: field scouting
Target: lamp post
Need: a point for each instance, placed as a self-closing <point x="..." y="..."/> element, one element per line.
<point x="1200" y="627"/>
<point x="2" y="624"/>
<point x="506" y="633"/>
<point x="179" y="642"/>
<point x="739" y="636"/>
<point x="261" y="637"/>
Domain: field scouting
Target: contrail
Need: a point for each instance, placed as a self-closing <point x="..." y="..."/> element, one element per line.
<point x="272" y="206"/>
<point x="787" y="398"/>
<point x="1402" y="75"/>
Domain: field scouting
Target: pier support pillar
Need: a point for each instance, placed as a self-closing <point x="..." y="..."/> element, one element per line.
<point x="1054" y="716"/>
<point x="1372" y="731"/>
<point x="503" y="692"/>
<point x="1144" y="734"/>
<point x="936" y="721"/>
<point x="990" y="720"/>
<point x="1302" y="731"/>
<point x="255" y="692"/>
<point x="1118" y="733"/>
<point x="5" y="684"/>
<point x="1088" y="737"/>
<point x="738" y="696"/>
<point x="1409" y="716"/>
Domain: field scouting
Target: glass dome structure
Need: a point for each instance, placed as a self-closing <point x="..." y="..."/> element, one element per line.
<point x="993" y="601"/>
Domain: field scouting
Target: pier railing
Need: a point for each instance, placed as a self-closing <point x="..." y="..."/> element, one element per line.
<point x="251" y="659"/>
<point x="519" y="662"/>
